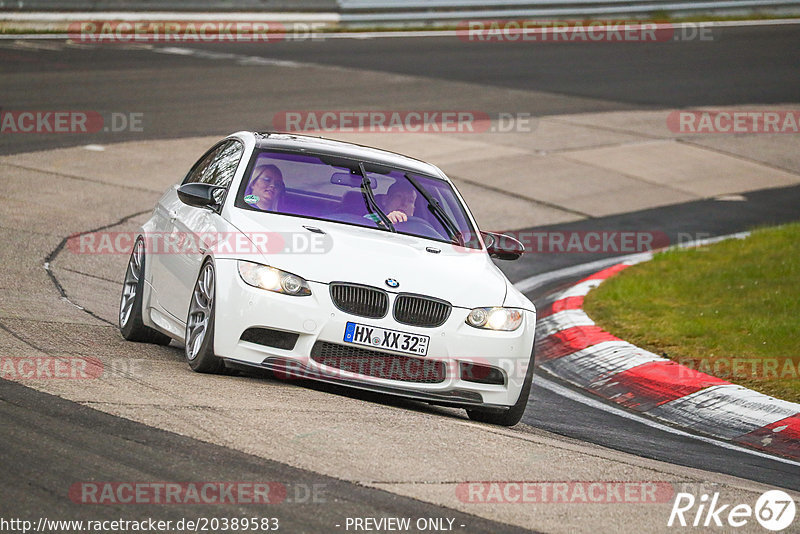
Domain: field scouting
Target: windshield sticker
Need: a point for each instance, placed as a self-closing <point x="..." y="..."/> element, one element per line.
<point x="252" y="199"/>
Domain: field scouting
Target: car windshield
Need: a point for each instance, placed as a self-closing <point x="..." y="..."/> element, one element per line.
<point x="333" y="188"/>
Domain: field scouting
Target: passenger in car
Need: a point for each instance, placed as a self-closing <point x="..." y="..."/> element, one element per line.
<point x="400" y="201"/>
<point x="266" y="188"/>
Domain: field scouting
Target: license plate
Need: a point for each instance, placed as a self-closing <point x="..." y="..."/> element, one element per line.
<point x="382" y="338"/>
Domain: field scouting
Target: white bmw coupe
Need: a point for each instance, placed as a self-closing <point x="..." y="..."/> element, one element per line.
<point x="319" y="259"/>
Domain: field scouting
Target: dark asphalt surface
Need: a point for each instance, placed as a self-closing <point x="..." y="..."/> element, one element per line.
<point x="729" y="66"/>
<point x="49" y="444"/>
<point x="188" y="96"/>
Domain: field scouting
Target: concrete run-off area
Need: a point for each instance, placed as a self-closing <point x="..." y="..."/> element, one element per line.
<point x="56" y="303"/>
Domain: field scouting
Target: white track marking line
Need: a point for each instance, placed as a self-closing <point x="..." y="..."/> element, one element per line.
<point x="534" y="282"/>
<point x="238" y="58"/>
<point x="592" y="403"/>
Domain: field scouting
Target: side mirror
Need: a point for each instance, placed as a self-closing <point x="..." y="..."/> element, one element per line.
<point x="199" y="195"/>
<point x="502" y="247"/>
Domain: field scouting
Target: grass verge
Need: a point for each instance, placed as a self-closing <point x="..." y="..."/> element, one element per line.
<point x="731" y="309"/>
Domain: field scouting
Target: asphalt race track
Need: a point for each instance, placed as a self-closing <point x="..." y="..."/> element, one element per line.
<point x="187" y="90"/>
<point x="186" y="95"/>
<point x="46" y="430"/>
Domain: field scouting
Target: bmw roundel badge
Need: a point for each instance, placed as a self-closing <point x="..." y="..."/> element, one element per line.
<point x="391" y="282"/>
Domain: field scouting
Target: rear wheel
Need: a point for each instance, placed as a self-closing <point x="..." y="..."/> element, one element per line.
<point x="130" y="305"/>
<point x="509" y="416"/>
<point x="200" y="324"/>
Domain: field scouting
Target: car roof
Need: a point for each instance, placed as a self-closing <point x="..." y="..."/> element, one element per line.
<point x="323" y="145"/>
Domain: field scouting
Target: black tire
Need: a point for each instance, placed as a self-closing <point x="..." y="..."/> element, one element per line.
<point x="509" y="416"/>
<point x="199" y="350"/>
<point x="130" y="305"/>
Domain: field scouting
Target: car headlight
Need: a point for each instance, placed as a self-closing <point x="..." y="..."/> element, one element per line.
<point x="272" y="279"/>
<point x="506" y="319"/>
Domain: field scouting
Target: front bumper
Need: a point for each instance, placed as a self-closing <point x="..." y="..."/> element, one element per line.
<point x="316" y="319"/>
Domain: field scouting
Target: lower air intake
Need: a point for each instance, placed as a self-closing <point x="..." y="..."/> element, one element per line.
<point x="378" y="364"/>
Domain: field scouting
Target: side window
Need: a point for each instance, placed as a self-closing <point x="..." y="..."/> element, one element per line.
<point x="218" y="166"/>
<point x="202" y="166"/>
<point x="226" y="162"/>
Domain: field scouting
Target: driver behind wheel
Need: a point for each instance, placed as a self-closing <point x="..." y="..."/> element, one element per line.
<point x="400" y="202"/>
<point x="266" y="188"/>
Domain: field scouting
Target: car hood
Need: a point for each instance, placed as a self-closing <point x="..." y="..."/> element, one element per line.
<point x="466" y="278"/>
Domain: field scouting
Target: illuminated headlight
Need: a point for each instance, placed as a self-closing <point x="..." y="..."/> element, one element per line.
<point x="272" y="279"/>
<point x="506" y="319"/>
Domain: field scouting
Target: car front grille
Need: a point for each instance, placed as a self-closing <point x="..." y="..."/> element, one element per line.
<point x="360" y="300"/>
<point x="421" y="311"/>
<point x="378" y="364"/>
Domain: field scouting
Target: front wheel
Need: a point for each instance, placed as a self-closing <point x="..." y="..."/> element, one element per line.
<point x="200" y="324"/>
<point x="509" y="416"/>
<point x="130" y="304"/>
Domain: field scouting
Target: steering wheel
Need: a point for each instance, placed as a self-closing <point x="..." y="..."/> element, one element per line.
<point x="418" y="225"/>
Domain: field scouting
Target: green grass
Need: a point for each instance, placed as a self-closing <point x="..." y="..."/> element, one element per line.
<point x="731" y="309"/>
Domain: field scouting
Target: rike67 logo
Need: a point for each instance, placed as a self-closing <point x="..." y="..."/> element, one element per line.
<point x="774" y="510"/>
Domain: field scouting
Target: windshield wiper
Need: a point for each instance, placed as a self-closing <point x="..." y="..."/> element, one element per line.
<point x="438" y="212"/>
<point x="369" y="199"/>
